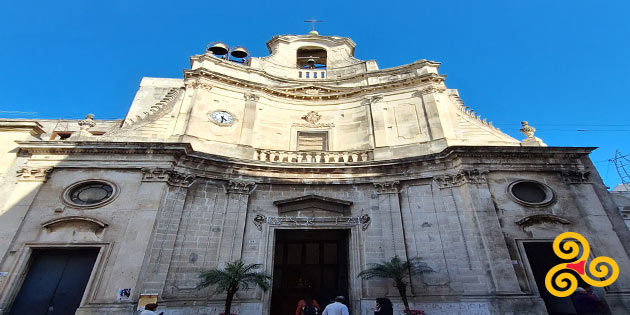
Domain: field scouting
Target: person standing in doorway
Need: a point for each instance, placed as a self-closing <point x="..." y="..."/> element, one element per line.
<point x="308" y="306"/>
<point x="337" y="308"/>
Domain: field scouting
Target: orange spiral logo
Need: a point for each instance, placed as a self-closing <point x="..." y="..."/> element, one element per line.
<point x="566" y="282"/>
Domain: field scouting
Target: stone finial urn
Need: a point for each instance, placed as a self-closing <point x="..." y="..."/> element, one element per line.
<point x="530" y="141"/>
<point x="527" y="130"/>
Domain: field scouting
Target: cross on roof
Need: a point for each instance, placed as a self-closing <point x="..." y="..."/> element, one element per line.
<point x="313" y="21"/>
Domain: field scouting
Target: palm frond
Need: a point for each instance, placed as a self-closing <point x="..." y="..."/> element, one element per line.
<point x="235" y="275"/>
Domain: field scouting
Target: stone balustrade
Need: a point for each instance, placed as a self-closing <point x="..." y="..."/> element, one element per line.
<point x="324" y="157"/>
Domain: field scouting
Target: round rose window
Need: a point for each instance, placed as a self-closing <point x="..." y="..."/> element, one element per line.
<point x="89" y="194"/>
<point x="531" y="193"/>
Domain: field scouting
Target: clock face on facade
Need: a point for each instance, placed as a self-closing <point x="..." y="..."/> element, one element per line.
<point x="222" y="117"/>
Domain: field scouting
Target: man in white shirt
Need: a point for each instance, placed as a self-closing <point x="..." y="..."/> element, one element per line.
<point x="337" y="308"/>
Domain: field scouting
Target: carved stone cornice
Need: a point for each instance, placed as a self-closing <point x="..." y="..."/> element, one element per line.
<point x="34" y="174"/>
<point x="462" y="177"/>
<point x="167" y="175"/>
<point x="240" y="187"/>
<point x="387" y="187"/>
<point x="398" y="78"/>
<point x="576" y="177"/>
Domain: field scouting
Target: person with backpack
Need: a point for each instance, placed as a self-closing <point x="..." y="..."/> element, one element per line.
<point x="383" y="307"/>
<point x="307" y="306"/>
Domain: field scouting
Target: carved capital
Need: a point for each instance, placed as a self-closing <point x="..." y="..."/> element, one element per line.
<point x="34" y="174"/>
<point x="462" y="177"/>
<point x="430" y="89"/>
<point x="180" y="179"/>
<point x="576" y="177"/>
<point x="169" y="176"/>
<point x="387" y="187"/>
<point x="240" y="187"/>
<point x="251" y="97"/>
<point x="199" y="85"/>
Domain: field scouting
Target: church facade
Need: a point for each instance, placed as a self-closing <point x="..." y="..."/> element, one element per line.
<point x="310" y="162"/>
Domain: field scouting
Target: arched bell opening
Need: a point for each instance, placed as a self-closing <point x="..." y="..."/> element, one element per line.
<point x="311" y="58"/>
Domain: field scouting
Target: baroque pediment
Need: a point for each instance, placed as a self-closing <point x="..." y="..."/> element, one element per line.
<point x="314" y="91"/>
<point x="311" y="204"/>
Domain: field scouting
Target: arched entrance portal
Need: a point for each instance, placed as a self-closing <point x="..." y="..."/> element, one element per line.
<point x="311" y="262"/>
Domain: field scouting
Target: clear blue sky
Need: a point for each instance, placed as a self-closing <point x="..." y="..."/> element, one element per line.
<point x="561" y="65"/>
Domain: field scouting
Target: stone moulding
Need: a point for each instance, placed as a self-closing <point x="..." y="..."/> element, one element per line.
<point x="462" y="177"/>
<point x="302" y="93"/>
<point x="341" y="221"/>
<point x="206" y="165"/>
<point x="51" y="223"/>
<point x="313" y="201"/>
<point x="541" y="218"/>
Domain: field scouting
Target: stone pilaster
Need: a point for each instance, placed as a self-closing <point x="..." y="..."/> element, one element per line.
<point x="167" y="224"/>
<point x="495" y="255"/>
<point x="249" y="118"/>
<point x="392" y="225"/>
<point x="603" y="238"/>
<point x="234" y="219"/>
<point x="30" y="180"/>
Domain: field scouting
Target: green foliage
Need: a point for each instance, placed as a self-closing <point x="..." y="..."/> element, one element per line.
<point x="236" y="275"/>
<point x="397" y="269"/>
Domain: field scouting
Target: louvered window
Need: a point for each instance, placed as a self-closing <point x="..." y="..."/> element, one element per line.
<point x="312" y="141"/>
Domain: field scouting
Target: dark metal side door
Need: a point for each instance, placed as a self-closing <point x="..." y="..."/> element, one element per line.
<point x="55" y="282"/>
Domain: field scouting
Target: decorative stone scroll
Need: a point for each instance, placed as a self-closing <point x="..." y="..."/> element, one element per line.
<point x="34" y="174"/>
<point x="312" y="121"/>
<point x="576" y="177"/>
<point x="387" y="187"/>
<point x="167" y="175"/>
<point x="240" y="187"/>
<point x="462" y="177"/>
<point x="363" y="220"/>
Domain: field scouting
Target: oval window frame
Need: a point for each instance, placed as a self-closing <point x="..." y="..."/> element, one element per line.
<point x="549" y="199"/>
<point x="65" y="195"/>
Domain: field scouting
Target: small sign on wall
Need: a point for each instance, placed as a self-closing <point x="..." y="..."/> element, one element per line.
<point x="4" y="274"/>
<point x="124" y="294"/>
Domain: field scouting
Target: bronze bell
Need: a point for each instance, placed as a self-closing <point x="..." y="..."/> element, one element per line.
<point x="310" y="62"/>
<point x="218" y="49"/>
<point x="239" y="52"/>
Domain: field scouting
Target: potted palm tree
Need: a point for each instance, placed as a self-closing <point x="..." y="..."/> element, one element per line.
<point x="397" y="270"/>
<point x="236" y="275"/>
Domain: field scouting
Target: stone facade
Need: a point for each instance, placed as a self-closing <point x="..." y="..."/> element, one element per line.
<point x="207" y="169"/>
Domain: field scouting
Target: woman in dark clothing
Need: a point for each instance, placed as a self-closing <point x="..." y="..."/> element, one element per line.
<point x="383" y="307"/>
